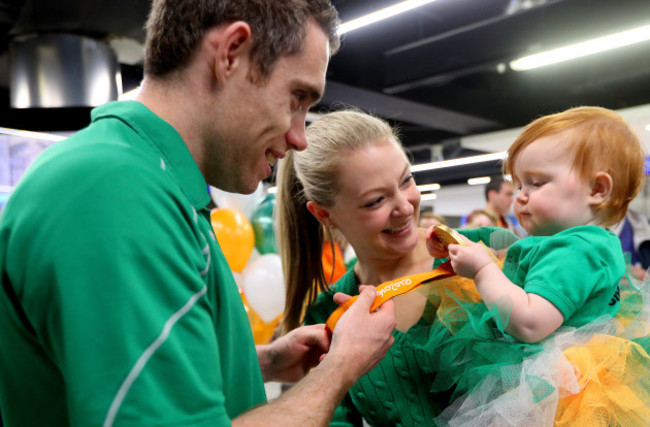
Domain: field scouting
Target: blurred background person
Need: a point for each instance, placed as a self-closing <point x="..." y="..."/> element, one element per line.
<point x="480" y="218"/>
<point x="499" y="195"/>
<point x="429" y="219"/>
<point x="334" y="264"/>
<point x="634" y="234"/>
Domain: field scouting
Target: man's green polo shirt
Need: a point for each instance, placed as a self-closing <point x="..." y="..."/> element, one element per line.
<point x="117" y="304"/>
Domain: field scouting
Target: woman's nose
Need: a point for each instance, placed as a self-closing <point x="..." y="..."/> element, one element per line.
<point x="404" y="205"/>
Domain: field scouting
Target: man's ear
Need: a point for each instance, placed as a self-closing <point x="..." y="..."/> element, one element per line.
<point x="231" y="46"/>
<point x="601" y="188"/>
<point x="320" y="213"/>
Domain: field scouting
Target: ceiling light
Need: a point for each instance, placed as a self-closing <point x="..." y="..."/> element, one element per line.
<point x="479" y="180"/>
<point x="429" y="196"/>
<point x="647" y="127"/>
<point x="272" y="190"/>
<point x="501" y="155"/>
<point x="33" y="135"/>
<point x="381" y="14"/>
<point x="579" y="50"/>
<point x="428" y="187"/>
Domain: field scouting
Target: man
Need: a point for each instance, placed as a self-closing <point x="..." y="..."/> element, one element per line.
<point x="634" y="233"/>
<point x="117" y="305"/>
<point x="499" y="196"/>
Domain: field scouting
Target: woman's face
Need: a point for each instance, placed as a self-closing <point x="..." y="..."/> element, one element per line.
<point x="377" y="204"/>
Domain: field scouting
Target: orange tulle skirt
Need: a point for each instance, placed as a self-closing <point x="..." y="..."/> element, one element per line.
<point x="596" y="375"/>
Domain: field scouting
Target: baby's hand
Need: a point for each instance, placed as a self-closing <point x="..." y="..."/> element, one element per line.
<point x="468" y="259"/>
<point x="435" y="247"/>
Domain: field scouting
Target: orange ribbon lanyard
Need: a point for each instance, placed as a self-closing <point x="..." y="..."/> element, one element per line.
<point x="390" y="289"/>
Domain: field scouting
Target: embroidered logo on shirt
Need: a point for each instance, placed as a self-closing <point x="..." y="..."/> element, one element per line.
<point x="617" y="297"/>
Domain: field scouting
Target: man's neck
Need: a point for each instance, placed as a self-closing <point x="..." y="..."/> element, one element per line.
<point x="169" y="101"/>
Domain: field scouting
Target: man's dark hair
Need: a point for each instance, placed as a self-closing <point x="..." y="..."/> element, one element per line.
<point x="494" y="185"/>
<point x="175" y="29"/>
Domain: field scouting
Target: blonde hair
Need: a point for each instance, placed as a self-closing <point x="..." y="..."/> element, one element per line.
<point x="431" y="215"/>
<point x="312" y="174"/>
<point x="599" y="140"/>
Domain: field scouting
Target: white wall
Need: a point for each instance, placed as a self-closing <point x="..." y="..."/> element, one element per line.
<point x="457" y="200"/>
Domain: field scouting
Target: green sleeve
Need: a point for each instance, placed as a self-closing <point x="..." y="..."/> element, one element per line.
<point x="124" y="298"/>
<point x="582" y="289"/>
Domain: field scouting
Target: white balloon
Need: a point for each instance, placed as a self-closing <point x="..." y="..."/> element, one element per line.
<point x="254" y="255"/>
<point x="244" y="203"/>
<point x="239" y="279"/>
<point x="264" y="286"/>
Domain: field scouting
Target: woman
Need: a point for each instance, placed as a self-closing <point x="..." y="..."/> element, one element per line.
<point x="355" y="178"/>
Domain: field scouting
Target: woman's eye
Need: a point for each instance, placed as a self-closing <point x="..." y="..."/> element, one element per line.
<point x="373" y="203"/>
<point x="408" y="179"/>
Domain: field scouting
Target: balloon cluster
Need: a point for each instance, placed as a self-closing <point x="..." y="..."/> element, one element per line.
<point x="251" y="252"/>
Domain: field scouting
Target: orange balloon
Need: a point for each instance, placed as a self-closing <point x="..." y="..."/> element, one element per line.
<point x="235" y="236"/>
<point x="262" y="331"/>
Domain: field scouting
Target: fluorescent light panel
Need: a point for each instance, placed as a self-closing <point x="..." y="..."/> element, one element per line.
<point x="428" y="187"/>
<point x="579" y="50"/>
<point x="501" y="155"/>
<point x="429" y="196"/>
<point x="479" y="180"/>
<point x="381" y="14"/>
<point x="30" y="134"/>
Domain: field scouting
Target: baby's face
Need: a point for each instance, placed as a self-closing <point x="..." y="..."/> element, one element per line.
<point x="550" y="195"/>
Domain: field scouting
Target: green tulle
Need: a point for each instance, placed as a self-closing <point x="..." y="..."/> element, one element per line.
<point x="488" y="372"/>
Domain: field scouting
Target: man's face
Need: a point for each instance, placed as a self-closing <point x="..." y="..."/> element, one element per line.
<point x="259" y="123"/>
<point x="502" y="200"/>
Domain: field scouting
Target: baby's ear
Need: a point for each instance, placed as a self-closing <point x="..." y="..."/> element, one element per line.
<point x="601" y="188"/>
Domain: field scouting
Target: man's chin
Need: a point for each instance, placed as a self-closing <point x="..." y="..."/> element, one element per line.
<point x="245" y="187"/>
<point x="239" y="187"/>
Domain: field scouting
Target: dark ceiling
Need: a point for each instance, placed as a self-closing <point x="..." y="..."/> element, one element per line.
<point x="437" y="72"/>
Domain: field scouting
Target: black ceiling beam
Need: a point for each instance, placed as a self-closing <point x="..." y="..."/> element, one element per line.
<point x="96" y="18"/>
<point x="509" y="36"/>
<point x="45" y="119"/>
<point x="393" y="108"/>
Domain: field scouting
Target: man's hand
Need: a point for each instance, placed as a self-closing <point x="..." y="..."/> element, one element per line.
<point x="290" y="357"/>
<point x="468" y="259"/>
<point x="362" y="338"/>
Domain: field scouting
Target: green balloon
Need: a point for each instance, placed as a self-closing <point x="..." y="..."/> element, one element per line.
<point x="262" y="222"/>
